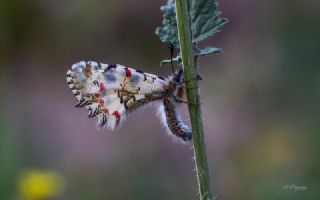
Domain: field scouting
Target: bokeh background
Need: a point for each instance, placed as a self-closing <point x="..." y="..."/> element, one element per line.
<point x="260" y="101"/>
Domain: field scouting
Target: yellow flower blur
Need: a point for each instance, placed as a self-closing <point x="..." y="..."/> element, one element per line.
<point x="36" y="184"/>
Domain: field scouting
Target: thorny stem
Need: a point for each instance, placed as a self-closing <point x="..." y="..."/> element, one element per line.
<point x="189" y="62"/>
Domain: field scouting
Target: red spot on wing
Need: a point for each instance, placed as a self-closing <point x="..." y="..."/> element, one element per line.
<point x="97" y="95"/>
<point x="101" y="102"/>
<point x="106" y="111"/>
<point x="101" y="86"/>
<point x="116" y="114"/>
<point x="128" y="72"/>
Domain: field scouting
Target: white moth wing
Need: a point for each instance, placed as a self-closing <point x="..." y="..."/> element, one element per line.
<point x="107" y="90"/>
<point x="113" y="76"/>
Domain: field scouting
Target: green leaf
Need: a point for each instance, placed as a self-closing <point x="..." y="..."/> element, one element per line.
<point x="168" y="61"/>
<point x="208" y="50"/>
<point x="168" y="32"/>
<point x="205" y="21"/>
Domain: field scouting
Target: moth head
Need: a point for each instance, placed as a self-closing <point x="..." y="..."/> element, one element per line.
<point x="178" y="76"/>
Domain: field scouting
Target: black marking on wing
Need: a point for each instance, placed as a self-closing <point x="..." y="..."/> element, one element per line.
<point x="73" y="87"/>
<point x="93" y="113"/>
<point x="99" y="65"/>
<point x="70" y="82"/>
<point x="133" y="98"/>
<point x="139" y="71"/>
<point x="96" y="83"/>
<point x="111" y="66"/>
<point x="83" y="103"/>
<point x="103" y="120"/>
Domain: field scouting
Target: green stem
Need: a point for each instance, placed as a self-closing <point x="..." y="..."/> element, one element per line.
<point x="189" y="62"/>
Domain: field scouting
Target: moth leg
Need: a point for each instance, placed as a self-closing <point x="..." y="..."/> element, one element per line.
<point x="199" y="78"/>
<point x="185" y="81"/>
<point x="186" y="102"/>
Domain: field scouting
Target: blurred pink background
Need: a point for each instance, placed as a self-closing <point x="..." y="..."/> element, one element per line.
<point x="260" y="101"/>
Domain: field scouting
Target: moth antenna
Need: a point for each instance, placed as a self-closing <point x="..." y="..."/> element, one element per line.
<point x="171" y="47"/>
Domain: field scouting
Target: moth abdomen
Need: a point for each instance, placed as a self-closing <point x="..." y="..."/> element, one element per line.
<point x="175" y="125"/>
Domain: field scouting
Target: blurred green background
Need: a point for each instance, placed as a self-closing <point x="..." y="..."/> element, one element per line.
<point x="261" y="102"/>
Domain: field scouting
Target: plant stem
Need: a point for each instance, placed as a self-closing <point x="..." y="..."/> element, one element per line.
<point x="189" y="62"/>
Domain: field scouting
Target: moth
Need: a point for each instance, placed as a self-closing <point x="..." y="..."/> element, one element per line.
<point x="111" y="91"/>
